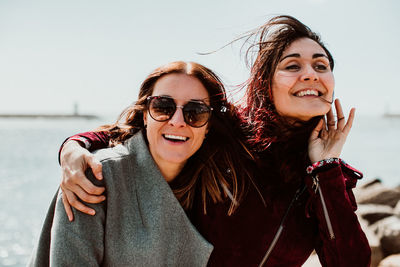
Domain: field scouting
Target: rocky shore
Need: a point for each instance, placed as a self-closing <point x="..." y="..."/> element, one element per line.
<point x="379" y="215"/>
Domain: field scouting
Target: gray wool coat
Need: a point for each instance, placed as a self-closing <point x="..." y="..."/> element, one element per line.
<point x="141" y="223"/>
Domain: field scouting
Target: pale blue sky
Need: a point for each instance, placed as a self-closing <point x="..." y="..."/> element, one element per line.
<point x="96" y="52"/>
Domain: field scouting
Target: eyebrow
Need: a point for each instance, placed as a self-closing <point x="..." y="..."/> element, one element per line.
<point x="297" y="55"/>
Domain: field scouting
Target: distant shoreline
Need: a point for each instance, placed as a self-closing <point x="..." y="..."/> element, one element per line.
<point x="391" y="115"/>
<point x="48" y="116"/>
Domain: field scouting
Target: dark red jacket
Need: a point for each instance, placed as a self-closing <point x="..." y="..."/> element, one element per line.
<point x="244" y="238"/>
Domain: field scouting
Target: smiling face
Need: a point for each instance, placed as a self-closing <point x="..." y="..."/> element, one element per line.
<point x="173" y="142"/>
<point x="303" y="81"/>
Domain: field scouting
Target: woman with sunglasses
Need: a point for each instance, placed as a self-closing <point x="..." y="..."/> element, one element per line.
<point x="163" y="147"/>
<point x="306" y="194"/>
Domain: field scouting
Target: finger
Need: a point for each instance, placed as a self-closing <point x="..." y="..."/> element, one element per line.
<point x="95" y="165"/>
<point x="67" y="207"/>
<point x="315" y="133"/>
<point x="331" y="122"/>
<point x="340" y="116"/>
<point x="74" y="202"/>
<point x="82" y="181"/>
<point x="349" y="123"/>
<point x="84" y="196"/>
<point x="90" y="188"/>
<point x="71" y="179"/>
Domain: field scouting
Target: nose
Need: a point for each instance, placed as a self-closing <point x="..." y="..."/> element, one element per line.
<point x="309" y="74"/>
<point x="177" y="119"/>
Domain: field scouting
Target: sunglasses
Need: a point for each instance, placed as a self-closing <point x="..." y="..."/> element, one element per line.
<point x="195" y="113"/>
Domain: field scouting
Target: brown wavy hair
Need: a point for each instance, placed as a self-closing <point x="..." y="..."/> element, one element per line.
<point x="289" y="139"/>
<point x="217" y="170"/>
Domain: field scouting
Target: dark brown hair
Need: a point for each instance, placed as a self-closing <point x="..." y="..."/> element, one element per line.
<point x="217" y="169"/>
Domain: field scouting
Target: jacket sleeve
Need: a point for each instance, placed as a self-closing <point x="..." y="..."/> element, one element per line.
<point x="341" y="241"/>
<point x="77" y="243"/>
<point x="89" y="140"/>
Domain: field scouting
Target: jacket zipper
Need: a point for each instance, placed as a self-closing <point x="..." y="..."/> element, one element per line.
<point x="276" y="237"/>
<point x="325" y="210"/>
<point x="278" y="233"/>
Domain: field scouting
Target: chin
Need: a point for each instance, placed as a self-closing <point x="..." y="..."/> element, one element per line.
<point x="308" y="115"/>
<point x="176" y="159"/>
<point x="305" y="112"/>
<point x="305" y="116"/>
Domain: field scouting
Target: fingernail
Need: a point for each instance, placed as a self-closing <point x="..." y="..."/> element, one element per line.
<point x="103" y="198"/>
<point x="92" y="212"/>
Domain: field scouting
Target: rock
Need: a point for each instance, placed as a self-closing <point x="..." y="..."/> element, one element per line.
<point x="374" y="243"/>
<point x="391" y="261"/>
<point x="396" y="209"/>
<point x="376" y="256"/>
<point x="388" y="232"/>
<point x="374" y="212"/>
<point x="377" y="194"/>
<point x="312" y="261"/>
<point x="370" y="182"/>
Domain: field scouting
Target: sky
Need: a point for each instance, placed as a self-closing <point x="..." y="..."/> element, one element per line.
<point x="96" y="53"/>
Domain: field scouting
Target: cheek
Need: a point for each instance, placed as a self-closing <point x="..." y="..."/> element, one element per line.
<point x="329" y="81"/>
<point x="200" y="134"/>
<point x="153" y="130"/>
<point x="281" y="86"/>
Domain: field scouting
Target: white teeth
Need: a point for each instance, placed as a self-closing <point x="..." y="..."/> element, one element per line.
<point x="175" y="137"/>
<point x="307" y="92"/>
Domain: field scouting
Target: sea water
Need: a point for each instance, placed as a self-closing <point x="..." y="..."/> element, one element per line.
<point x="30" y="174"/>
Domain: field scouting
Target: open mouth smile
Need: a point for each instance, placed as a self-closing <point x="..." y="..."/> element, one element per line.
<point x="308" y="92"/>
<point x="175" y="138"/>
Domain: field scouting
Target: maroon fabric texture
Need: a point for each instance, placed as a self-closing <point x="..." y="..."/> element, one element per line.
<point x="243" y="238"/>
<point x="97" y="140"/>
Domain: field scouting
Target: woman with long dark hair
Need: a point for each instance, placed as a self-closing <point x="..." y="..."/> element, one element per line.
<point x="302" y="197"/>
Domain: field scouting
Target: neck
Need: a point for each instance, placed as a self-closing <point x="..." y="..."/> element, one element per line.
<point x="169" y="170"/>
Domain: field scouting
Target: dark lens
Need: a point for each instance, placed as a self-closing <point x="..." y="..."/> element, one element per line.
<point x="196" y="114"/>
<point x="162" y="108"/>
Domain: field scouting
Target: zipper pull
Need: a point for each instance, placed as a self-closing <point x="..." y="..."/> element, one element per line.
<point x="315" y="184"/>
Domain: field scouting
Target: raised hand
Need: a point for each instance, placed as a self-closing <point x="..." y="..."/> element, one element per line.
<point x="75" y="185"/>
<point x="328" y="137"/>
